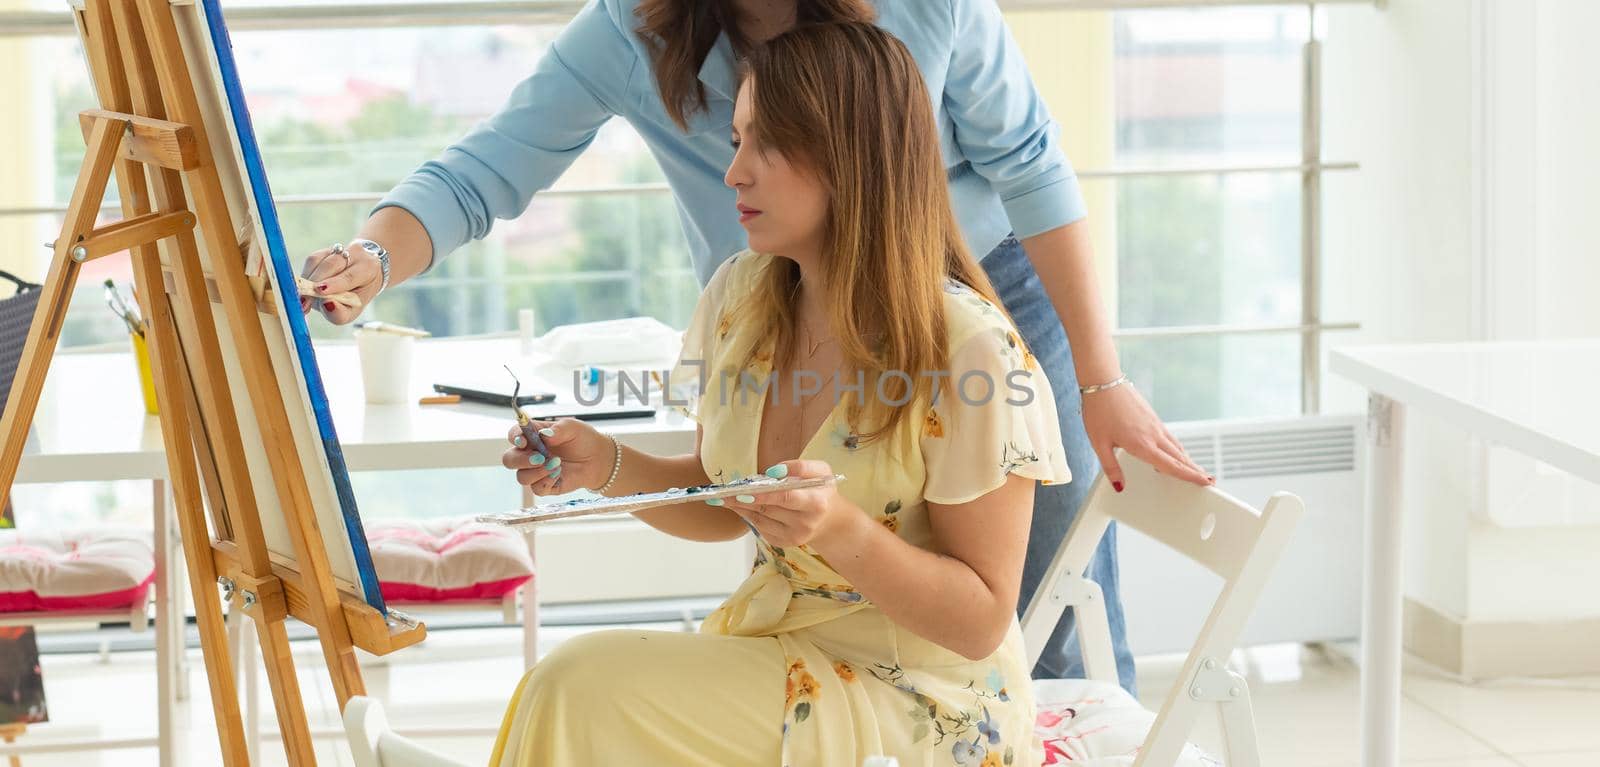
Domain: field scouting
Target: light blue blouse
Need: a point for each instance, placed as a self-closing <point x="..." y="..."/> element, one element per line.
<point x="1006" y="169"/>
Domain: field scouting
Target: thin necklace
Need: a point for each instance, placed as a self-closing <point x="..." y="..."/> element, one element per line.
<point x="813" y="347"/>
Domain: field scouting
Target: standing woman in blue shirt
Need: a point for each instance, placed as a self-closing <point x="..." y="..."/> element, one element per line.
<point x="669" y="67"/>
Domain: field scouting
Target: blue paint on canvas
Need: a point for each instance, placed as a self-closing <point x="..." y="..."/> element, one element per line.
<point x="284" y="277"/>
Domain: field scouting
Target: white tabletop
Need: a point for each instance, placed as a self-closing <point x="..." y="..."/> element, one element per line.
<point x="91" y="423"/>
<point x="1538" y="397"/>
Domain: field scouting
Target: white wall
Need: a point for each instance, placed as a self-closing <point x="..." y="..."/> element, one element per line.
<point x="1540" y="527"/>
<point x="1474" y="122"/>
<point x="1568" y="184"/>
<point x="1396" y="238"/>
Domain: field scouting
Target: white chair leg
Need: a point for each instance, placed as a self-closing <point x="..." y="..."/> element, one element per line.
<point x="530" y="596"/>
<point x="530" y="623"/>
<point x="167" y="645"/>
<point x="365" y="725"/>
<point x="235" y="632"/>
<point x="168" y="642"/>
<point x="1238" y="721"/>
<point x="177" y="589"/>
<point x="252" y="693"/>
<point x="245" y="676"/>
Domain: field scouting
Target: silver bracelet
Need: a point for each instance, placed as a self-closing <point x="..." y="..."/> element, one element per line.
<point x="616" y="466"/>
<point x="1102" y="387"/>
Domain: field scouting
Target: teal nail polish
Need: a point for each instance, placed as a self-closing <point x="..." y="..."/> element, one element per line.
<point x="519" y="441"/>
<point x="548" y="432"/>
<point x="555" y="463"/>
<point x="535" y="459"/>
<point x="745" y="498"/>
<point x="555" y="474"/>
<point x="713" y="501"/>
<point x="778" y="471"/>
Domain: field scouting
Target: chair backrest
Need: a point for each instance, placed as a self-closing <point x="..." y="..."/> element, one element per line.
<point x="1221" y="533"/>
<point x="373" y="744"/>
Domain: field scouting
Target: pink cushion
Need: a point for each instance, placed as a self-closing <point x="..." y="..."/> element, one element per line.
<point x="44" y="570"/>
<point x="447" y="560"/>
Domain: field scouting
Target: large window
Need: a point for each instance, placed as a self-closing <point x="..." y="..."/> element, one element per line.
<point x="1215" y="88"/>
<point x="1187" y="126"/>
<point x="341" y="121"/>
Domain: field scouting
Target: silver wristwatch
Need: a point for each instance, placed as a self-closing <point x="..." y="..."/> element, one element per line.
<point x="383" y="259"/>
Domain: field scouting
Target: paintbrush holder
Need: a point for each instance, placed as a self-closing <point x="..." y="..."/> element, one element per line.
<point x="147" y="382"/>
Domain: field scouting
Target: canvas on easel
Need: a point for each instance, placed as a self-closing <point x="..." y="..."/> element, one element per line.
<point x="260" y="489"/>
<point x="237" y="157"/>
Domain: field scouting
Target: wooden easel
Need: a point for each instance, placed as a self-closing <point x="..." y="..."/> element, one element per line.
<point x="151" y="132"/>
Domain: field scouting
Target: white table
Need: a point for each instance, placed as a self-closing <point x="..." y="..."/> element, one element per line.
<point x="91" y="426"/>
<point x="91" y="423"/>
<point x="1537" y="398"/>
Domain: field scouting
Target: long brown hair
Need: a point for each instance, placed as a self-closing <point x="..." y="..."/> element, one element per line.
<point x="846" y="101"/>
<point x="679" y="34"/>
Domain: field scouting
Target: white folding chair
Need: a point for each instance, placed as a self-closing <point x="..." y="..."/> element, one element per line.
<point x="1220" y="533"/>
<point x="373" y="744"/>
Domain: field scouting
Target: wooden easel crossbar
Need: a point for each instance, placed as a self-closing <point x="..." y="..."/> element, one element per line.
<point x="191" y="277"/>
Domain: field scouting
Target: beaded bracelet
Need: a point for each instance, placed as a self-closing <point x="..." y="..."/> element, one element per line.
<point x="616" y="466"/>
<point x="1102" y="387"/>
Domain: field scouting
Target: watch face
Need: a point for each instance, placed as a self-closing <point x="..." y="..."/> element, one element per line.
<point x="371" y="247"/>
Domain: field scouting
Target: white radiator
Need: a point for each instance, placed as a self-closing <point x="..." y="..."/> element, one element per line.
<point x="1314" y="594"/>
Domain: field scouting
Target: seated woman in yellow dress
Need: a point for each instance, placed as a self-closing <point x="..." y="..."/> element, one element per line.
<point x="857" y="336"/>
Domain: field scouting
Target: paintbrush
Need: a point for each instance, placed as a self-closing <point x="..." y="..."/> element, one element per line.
<point x="529" y="432"/>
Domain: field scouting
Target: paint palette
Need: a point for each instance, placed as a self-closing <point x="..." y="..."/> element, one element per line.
<point x="627" y="504"/>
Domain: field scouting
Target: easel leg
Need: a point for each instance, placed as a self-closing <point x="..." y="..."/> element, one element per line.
<point x="56" y="292"/>
<point x="178" y="422"/>
<point x="273" y="638"/>
<point x="184" y="483"/>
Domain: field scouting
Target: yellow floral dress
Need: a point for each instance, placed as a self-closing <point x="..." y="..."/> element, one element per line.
<point x="797" y="668"/>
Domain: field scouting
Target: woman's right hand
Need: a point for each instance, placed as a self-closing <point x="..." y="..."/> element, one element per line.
<point x="356" y="271"/>
<point x="580" y="457"/>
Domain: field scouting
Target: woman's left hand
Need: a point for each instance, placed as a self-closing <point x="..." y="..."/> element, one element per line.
<point x="1119" y="417"/>
<point x="810" y="516"/>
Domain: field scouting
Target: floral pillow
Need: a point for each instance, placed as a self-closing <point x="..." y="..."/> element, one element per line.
<point x="1097" y="724"/>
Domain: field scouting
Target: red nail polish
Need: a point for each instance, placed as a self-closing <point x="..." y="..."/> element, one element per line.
<point x="1117" y="486"/>
<point x="327" y="306"/>
<point x="322" y="288"/>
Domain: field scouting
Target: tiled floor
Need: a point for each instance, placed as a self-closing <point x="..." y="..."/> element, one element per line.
<point x="1305" y="705"/>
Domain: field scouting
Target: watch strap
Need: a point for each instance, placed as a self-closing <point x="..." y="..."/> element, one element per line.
<point x="383" y="259"/>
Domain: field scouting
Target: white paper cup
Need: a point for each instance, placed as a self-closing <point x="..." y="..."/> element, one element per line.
<point x="385" y="365"/>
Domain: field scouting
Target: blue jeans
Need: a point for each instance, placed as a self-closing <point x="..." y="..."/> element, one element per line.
<point x="1055" y="506"/>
